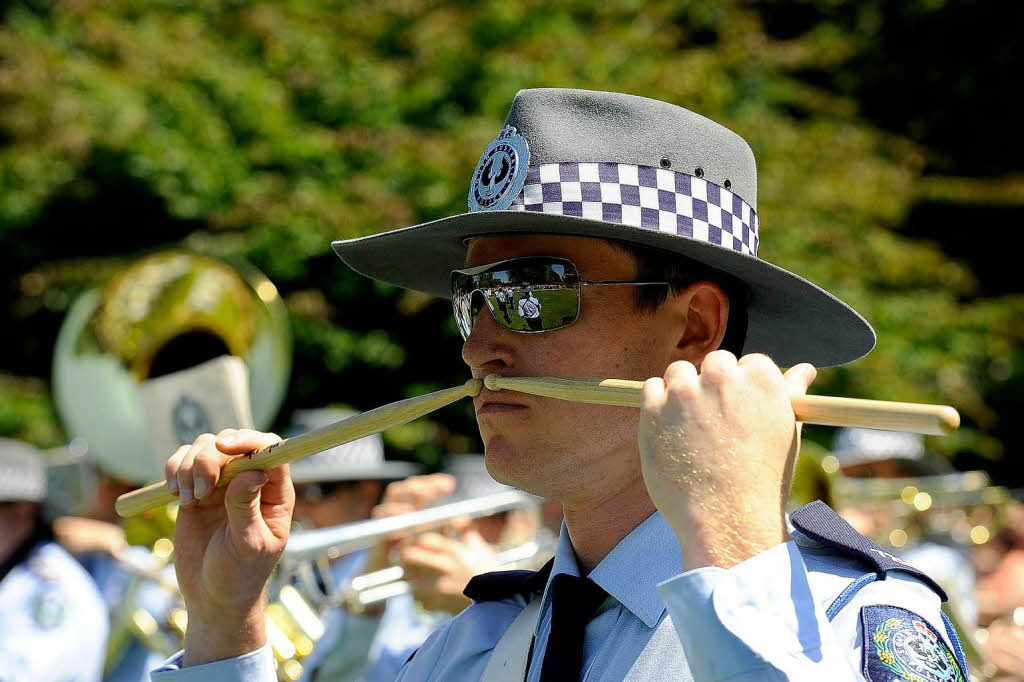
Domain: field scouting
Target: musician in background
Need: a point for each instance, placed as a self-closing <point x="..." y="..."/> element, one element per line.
<point x="1001" y="578"/>
<point x="334" y="487"/>
<point x="437" y="565"/>
<point x="129" y="560"/>
<point x="158" y="370"/>
<point x="53" y="624"/>
<point x="872" y="454"/>
<point x="1000" y="566"/>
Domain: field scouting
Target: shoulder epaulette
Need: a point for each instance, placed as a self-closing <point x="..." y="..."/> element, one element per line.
<point x="818" y="522"/>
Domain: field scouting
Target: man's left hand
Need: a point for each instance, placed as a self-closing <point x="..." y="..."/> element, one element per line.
<point x="718" y="449"/>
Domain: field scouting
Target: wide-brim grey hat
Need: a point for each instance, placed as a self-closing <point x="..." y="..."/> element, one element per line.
<point x="853" y="446"/>
<point x="471" y="477"/>
<point x="22" y="472"/>
<point x="632" y="169"/>
<point x="360" y="460"/>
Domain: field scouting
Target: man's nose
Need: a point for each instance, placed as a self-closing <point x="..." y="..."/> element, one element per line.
<point x="489" y="345"/>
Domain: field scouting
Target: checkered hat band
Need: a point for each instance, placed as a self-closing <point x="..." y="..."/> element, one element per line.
<point x="642" y="196"/>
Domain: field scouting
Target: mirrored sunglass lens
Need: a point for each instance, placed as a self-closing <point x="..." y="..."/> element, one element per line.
<point x="533" y="310"/>
<point x="512" y="298"/>
<point x="466" y="311"/>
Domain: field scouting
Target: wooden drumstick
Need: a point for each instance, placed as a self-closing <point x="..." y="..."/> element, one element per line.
<point x="347" y="430"/>
<point x="812" y="409"/>
<point x="936" y="420"/>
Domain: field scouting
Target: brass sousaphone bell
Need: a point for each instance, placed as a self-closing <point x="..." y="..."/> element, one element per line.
<point x="164" y="312"/>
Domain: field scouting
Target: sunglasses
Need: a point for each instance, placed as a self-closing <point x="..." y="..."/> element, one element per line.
<point x="316" y="492"/>
<point x="528" y="295"/>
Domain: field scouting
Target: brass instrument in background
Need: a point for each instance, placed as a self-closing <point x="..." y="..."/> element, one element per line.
<point x="301" y="591"/>
<point x="963" y="505"/>
<point x="349" y="537"/>
<point x="162" y="313"/>
<point x="372" y="588"/>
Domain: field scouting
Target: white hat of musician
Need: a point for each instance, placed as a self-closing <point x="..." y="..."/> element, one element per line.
<point x="471" y="477"/>
<point x="853" y="447"/>
<point x="22" y="472"/>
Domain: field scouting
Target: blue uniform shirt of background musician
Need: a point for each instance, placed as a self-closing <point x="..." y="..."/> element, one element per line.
<point x="125" y="594"/>
<point x="336" y="620"/>
<point x="53" y="624"/>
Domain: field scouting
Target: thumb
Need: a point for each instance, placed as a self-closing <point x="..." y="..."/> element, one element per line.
<point x="799" y="378"/>
<point x="242" y="503"/>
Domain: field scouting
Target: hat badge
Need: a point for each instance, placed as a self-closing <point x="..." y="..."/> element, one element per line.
<point x="500" y="173"/>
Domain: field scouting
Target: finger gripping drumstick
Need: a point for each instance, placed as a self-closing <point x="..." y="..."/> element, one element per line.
<point x="936" y="420"/>
<point x="877" y="414"/>
<point x="355" y="427"/>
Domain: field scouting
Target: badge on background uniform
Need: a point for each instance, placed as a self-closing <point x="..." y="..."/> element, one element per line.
<point x="901" y="646"/>
<point x="48" y="610"/>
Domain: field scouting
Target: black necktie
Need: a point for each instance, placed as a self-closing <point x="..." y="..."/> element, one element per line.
<point x="574" y="601"/>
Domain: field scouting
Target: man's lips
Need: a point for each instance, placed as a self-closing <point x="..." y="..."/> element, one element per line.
<point x="489" y="402"/>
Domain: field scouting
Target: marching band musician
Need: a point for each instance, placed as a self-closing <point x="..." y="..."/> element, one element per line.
<point x="437" y="566"/>
<point x="1000" y="564"/>
<point x="633" y="222"/>
<point x="53" y="624"/>
<point x="1001" y="583"/>
<point x="159" y="369"/>
<point x="340" y="485"/>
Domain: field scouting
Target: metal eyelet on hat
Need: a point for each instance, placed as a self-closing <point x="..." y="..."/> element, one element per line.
<point x="699" y="172"/>
<point x="727" y="184"/>
<point x="665" y="163"/>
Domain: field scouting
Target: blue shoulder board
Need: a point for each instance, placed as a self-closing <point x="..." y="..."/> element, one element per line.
<point x="817" y="521"/>
<point x="900" y="645"/>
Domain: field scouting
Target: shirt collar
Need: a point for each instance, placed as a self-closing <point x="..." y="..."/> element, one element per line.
<point x="623" y="575"/>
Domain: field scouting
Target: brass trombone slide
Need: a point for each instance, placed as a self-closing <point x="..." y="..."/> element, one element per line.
<point x="349" y="537"/>
<point x="811" y="409"/>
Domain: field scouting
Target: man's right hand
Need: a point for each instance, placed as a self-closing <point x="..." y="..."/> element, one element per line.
<point x="227" y="541"/>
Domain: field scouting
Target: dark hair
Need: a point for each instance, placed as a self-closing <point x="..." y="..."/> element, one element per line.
<point x="656" y="265"/>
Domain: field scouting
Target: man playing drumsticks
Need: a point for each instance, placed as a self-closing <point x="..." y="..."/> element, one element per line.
<point x="634" y="224"/>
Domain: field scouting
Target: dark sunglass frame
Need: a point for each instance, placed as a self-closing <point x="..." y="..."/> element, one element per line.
<point x="465" y="285"/>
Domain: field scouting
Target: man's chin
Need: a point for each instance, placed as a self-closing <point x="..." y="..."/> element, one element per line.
<point x="510" y="465"/>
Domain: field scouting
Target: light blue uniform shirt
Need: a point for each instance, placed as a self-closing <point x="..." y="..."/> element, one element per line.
<point x="337" y="620"/>
<point x="764" y="619"/>
<point x="53" y="624"/>
<point x="125" y="592"/>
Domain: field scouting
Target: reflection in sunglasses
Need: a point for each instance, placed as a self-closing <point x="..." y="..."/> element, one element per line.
<point x="530" y="294"/>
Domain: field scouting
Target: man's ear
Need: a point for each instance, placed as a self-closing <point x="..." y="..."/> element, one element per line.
<point x="702" y="313"/>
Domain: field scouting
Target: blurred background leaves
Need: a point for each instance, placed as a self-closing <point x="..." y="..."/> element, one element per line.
<point x="889" y="162"/>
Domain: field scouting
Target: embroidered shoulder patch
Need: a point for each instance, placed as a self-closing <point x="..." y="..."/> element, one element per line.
<point x="901" y="646"/>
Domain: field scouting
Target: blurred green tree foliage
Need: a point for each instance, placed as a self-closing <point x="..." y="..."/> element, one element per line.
<point x="264" y="130"/>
